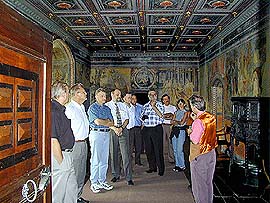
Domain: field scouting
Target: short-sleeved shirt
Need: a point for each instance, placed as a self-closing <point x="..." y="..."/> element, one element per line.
<point x="179" y="115"/>
<point x="169" y="109"/>
<point x="61" y="126"/>
<point x="97" y="111"/>
<point x="122" y="109"/>
<point x="153" y="119"/>
<point x="79" y="121"/>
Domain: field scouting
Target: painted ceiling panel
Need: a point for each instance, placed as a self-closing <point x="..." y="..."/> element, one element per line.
<point x="138" y="25"/>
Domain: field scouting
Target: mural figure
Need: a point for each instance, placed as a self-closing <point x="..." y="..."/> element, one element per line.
<point x="256" y="90"/>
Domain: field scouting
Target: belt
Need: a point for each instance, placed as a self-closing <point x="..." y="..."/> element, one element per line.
<point x="100" y="129"/>
<point x="67" y="150"/>
<point x="80" y="141"/>
<point x="166" y="124"/>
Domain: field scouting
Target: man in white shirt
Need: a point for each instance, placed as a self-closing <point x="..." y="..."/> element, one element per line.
<point x="119" y="141"/>
<point x="75" y="111"/>
<point x="167" y="126"/>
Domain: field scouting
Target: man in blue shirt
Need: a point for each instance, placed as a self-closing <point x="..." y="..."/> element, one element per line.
<point x="135" y="135"/>
<point x="101" y="121"/>
<point x="152" y="116"/>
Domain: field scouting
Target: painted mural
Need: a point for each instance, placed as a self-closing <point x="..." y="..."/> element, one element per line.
<point x="62" y="62"/>
<point x="177" y="82"/>
<point x="244" y="72"/>
<point x="241" y="70"/>
<point x="82" y="74"/>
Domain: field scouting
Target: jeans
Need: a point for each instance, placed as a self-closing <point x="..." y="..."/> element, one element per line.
<point x="99" y="142"/>
<point x="178" y="144"/>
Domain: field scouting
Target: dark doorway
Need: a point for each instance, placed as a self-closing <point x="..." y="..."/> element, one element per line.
<point x="142" y="97"/>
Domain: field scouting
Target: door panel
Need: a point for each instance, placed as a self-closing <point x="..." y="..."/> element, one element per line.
<point x="20" y="154"/>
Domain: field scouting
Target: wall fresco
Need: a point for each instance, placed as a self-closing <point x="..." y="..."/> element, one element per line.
<point x="82" y="74"/>
<point x="177" y="82"/>
<point x="62" y="62"/>
<point x="241" y="70"/>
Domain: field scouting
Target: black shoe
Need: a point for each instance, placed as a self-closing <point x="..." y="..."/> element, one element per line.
<point x="81" y="200"/>
<point x="130" y="182"/>
<point x="114" y="179"/>
<point x="176" y="169"/>
<point x="151" y="171"/>
<point x="160" y="173"/>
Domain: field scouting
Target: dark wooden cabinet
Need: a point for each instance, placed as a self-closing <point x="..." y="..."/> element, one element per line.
<point x="250" y="125"/>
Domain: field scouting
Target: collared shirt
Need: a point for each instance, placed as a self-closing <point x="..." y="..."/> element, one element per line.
<point x="96" y="111"/>
<point x="138" y="112"/>
<point x="169" y="109"/>
<point x="197" y="129"/>
<point x="131" y="116"/>
<point x="61" y="126"/>
<point x="79" y="121"/>
<point x="122" y="108"/>
<point x="153" y="119"/>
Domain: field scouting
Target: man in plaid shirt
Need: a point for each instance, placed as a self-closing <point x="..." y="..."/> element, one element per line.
<point x="152" y="117"/>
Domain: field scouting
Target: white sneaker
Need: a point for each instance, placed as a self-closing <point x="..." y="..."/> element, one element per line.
<point x="105" y="186"/>
<point x="95" y="188"/>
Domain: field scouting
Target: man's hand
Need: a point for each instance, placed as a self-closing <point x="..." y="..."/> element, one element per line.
<point x="117" y="130"/>
<point x="189" y="130"/>
<point x="56" y="150"/>
<point x="168" y="116"/>
<point x="153" y="103"/>
<point x="174" y="122"/>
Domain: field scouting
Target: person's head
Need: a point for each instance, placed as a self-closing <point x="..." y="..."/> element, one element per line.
<point x="165" y="99"/>
<point x="127" y="98"/>
<point x="100" y="96"/>
<point x="181" y="103"/>
<point x="197" y="103"/>
<point x="78" y="93"/>
<point x="152" y="95"/>
<point x="134" y="99"/>
<point x="116" y="95"/>
<point x="59" y="92"/>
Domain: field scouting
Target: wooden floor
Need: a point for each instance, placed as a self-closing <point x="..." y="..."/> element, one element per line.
<point x="172" y="187"/>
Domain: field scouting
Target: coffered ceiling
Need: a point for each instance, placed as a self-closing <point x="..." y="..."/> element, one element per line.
<point x="135" y="25"/>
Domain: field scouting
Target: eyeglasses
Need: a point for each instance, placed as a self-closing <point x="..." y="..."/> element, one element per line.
<point x="82" y="92"/>
<point x="152" y="94"/>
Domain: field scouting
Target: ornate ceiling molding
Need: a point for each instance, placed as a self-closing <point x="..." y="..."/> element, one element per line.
<point x="31" y="13"/>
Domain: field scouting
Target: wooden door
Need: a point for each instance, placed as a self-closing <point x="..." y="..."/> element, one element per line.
<point x="25" y="78"/>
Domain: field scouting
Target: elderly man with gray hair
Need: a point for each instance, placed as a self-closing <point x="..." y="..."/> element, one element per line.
<point x="75" y="111"/>
<point x="64" y="184"/>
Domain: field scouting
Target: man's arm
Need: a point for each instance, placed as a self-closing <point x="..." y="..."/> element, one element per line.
<point x="56" y="150"/>
<point x="104" y="122"/>
<point x="168" y="116"/>
<point x="153" y="104"/>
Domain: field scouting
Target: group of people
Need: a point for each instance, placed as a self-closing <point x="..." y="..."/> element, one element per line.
<point x="118" y="128"/>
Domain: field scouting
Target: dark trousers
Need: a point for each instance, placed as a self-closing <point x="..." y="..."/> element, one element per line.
<point x="153" y="137"/>
<point x="135" y="141"/>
